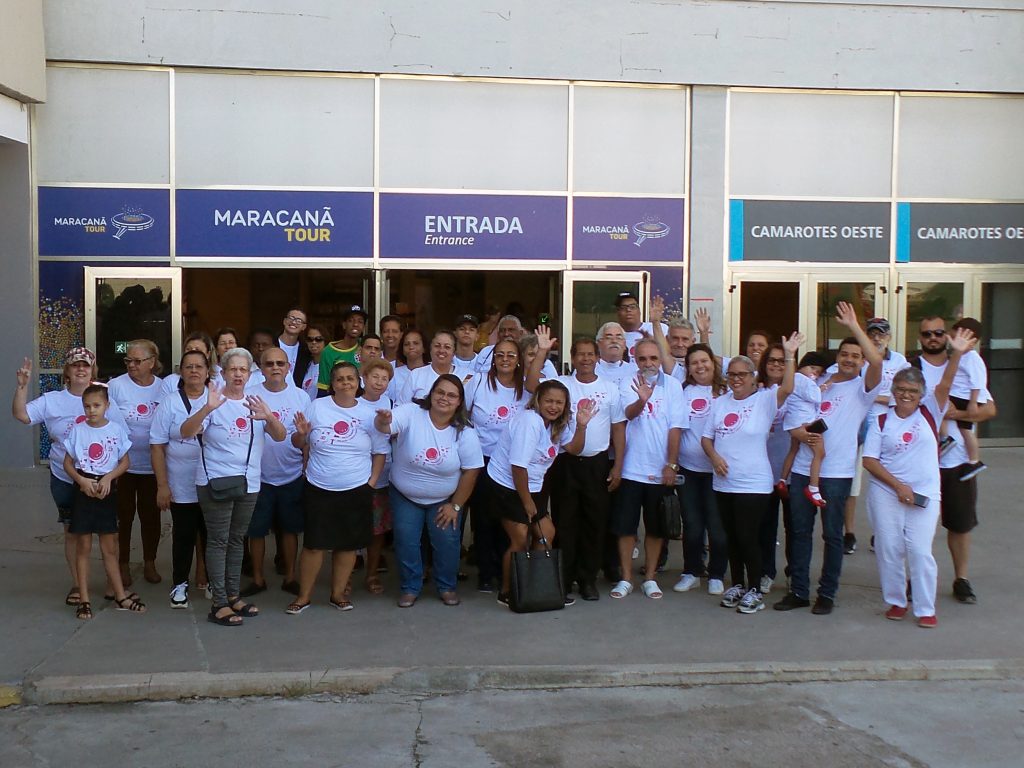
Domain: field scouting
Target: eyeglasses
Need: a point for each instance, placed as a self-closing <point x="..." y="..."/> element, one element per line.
<point x="293" y="320"/>
<point x="315" y="339"/>
<point x="446" y="395"/>
<point x="738" y="374"/>
<point x="505" y="355"/>
<point x="629" y="306"/>
<point x="907" y="391"/>
<point x="933" y="334"/>
<point x="776" y="361"/>
<point x="136" y="360"/>
<point x="276" y="363"/>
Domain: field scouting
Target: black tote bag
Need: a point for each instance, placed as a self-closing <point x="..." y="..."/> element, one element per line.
<point x="537" y="580"/>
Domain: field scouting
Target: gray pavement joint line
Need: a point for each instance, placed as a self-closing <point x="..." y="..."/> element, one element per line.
<point x="203" y="656"/>
<point x="163" y="686"/>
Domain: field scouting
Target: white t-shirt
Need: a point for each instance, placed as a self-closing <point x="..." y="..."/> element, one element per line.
<point x="891" y="365"/>
<point x="605" y="395"/>
<point x="697" y="399"/>
<point x="384" y="480"/>
<point x="970" y="374"/>
<point x="740" y="431"/>
<point x="398" y="382"/>
<point x="291" y="351"/>
<point x="138" y="405"/>
<point x="59" y="411"/>
<point x="485" y="357"/>
<point x="427" y="461"/>
<point x="616" y="372"/>
<point x="464" y="368"/>
<point x="801" y="407"/>
<point x="98" y="449"/>
<point x="907" y="448"/>
<point x="492" y="410"/>
<point x="181" y="455"/>
<point x="282" y="461"/>
<point x="341" y="444"/>
<point x="933" y="375"/>
<point x="419" y="382"/>
<point x="169" y="385"/>
<point x="529" y="445"/>
<point x="226" y="442"/>
<point x="310" y="379"/>
<point x="645" y="331"/>
<point x="843" y="407"/>
<point x="647" y="433"/>
<point x="679" y="372"/>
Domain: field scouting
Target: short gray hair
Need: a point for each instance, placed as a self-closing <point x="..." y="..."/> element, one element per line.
<point x="513" y="318"/>
<point x="681" y="322"/>
<point x="743" y="359"/>
<point x="235" y="352"/>
<point x="911" y="376"/>
<point x="604" y="329"/>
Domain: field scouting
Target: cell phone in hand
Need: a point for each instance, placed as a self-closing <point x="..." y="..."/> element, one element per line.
<point x="920" y="500"/>
<point x="817" y="427"/>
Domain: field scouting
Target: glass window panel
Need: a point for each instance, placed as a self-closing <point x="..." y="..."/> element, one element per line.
<point x="945" y="300"/>
<point x="593" y="304"/>
<point x="1002" y="348"/>
<point x="273" y="131"/>
<point x="629" y="140"/>
<point x="828" y="332"/>
<point x="961" y="148"/>
<point x="822" y="145"/>
<point x="131" y="308"/>
<point x="462" y="135"/>
<point x="771" y="307"/>
<point x="103" y="125"/>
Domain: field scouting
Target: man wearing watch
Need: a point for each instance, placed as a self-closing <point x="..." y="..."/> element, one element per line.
<point x="655" y="419"/>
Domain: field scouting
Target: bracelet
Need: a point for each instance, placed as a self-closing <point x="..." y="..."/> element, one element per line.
<point x="790" y="359"/>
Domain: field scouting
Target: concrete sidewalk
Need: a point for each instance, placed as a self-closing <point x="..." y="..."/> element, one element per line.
<point x="46" y="655"/>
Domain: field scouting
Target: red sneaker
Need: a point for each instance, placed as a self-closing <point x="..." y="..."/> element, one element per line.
<point x="814" y="497"/>
<point x="782" y="489"/>
<point x="895" y="613"/>
<point x="928" y="622"/>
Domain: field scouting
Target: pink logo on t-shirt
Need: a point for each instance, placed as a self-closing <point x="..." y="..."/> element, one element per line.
<point x="552" y="452"/>
<point x="142" y="409"/>
<point x="731" y="419"/>
<point x="908" y="437"/>
<point x="341" y="427"/>
<point x="277" y="415"/>
<point x="826" y="406"/>
<point x="431" y="454"/>
<point x="502" y="412"/>
<point x="241" y="423"/>
<point x="698" y="405"/>
<point x="585" y="402"/>
<point x="306" y="383"/>
<point x="95" y="451"/>
<point x="79" y="419"/>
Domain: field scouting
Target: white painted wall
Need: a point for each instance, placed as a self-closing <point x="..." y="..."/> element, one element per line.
<point x="949" y="45"/>
<point x="22" y="61"/>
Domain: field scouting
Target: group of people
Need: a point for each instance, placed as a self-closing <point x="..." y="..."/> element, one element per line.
<point x="352" y="442"/>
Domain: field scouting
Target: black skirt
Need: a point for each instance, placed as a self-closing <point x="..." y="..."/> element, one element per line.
<point x="90" y="515"/>
<point x="337" y="520"/>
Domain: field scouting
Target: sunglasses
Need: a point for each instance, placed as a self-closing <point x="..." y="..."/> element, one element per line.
<point x="933" y="334"/>
<point x="317" y="339"/>
<point x="276" y="363"/>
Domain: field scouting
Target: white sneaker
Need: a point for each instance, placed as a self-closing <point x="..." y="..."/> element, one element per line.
<point x="179" y="595"/>
<point x="733" y="596"/>
<point x="766" y="584"/>
<point x="715" y="587"/>
<point x="752" y="602"/>
<point x="686" y="582"/>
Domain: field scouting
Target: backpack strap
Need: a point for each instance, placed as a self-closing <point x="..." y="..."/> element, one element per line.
<point x="881" y="421"/>
<point x="930" y="419"/>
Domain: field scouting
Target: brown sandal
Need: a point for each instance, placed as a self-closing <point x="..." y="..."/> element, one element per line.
<point x="84" y="611"/>
<point x="373" y="585"/>
<point x="74" y="597"/>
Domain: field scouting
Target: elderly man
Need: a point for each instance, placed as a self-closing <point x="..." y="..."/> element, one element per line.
<point x="611" y="347"/>
<point x="510" y="328"/>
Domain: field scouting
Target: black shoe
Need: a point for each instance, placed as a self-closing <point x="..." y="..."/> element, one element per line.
<point x="486" y="586"/>
<point x="791" y="601"/>
<point x="823" y="606"/>
<point x="973" y="470"/>
<point x="588" y="591"/>
<point x="503" y="598"/>
<point x="849" y="543"/>
<point x="963" y="592"/>
<point x="569" y="600"/>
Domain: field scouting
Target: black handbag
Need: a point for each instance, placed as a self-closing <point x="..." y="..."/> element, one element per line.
<point x="537" y="580"/>
<point x="671" y="516"/>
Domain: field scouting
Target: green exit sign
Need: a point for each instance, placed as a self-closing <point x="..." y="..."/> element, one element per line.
<point x="120" y="347"/>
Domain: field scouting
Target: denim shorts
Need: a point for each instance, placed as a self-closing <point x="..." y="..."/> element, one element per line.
<point x="64" y="497"/>
<point x="280" y="503"/>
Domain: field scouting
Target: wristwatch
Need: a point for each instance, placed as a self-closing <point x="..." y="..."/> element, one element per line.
<point x="456" y="507"/>
<point x="673" y="467"/>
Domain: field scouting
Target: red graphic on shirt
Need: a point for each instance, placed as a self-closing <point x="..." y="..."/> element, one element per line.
<point x="277" y="415"/>
<point x="699" y="406"/>
<point x="95" y="452"/>
<point x="431" y="456"/>
<point x="731" y="420"/>
<point x="241" y="423"/>
<point x="142" y="409"/>
<point x="585" y="402"/>
<point x="306" y="383"/>
<point x="79" y="419"/>
<point x="552" y="452"/>
<point x="826" y="406"/>
<point x="502" y="412"/>
<point x="341" y="427"/>
<point x="908" y="437"/>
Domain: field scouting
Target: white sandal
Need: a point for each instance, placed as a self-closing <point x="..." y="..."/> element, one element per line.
<point x="622" y="589"/>
<point x="651" y="589"/>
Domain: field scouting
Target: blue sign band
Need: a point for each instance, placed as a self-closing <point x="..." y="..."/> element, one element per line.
<point x="903" y="231"/>
<point x="736" y="230"/>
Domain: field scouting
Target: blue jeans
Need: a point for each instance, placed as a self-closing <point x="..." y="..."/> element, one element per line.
<point x="835" y="490"/>
<point x="700" y="514"/>
<point x="408" y="520"/>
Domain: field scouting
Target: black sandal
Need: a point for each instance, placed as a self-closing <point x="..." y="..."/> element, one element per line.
<point x="74" y="597"/>
<point x="246" y="610"/>
<point x="84" y="611"/>
<point x="110" y="598"/>
<point x="129" y="603"/>
<point x="231" y="620"/>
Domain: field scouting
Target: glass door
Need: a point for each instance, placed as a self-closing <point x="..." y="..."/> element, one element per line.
<point x="921" y="296"/>
<point x="764" y="303"/>
<point x="125" y="303"/>
<point x="588" y="301"/>
<point x="867" y="291"/>
<point x="1002" y="349"/>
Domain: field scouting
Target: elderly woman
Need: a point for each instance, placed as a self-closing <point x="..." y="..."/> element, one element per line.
<point x="138" y="393"/>
<point x="734" y="439"/>
<point x="902" y="456"/>
<point x="346" y="456"/>
<point x="436" y="458"/>
<point x="174" y="463"/>
<point x="59" y="411"/>
<point x="376" y="376"/>
<point x="232" y="427"/>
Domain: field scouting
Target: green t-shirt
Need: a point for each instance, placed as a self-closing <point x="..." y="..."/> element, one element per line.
<point x="334" y="354"/>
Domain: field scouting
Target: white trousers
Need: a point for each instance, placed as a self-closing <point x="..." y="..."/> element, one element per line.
<point x="904" y="535"/>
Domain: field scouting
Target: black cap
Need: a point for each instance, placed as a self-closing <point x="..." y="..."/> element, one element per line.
<point x="355" y="309"/>
<point x="464" y="319"/>
<point x="879" y="324"/>
<point x="626" y="295"/>
<point x="813" y="358"/>
<point x="970" y="324"/>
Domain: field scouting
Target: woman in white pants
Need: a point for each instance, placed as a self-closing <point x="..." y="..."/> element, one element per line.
<point x="901" y="454"/>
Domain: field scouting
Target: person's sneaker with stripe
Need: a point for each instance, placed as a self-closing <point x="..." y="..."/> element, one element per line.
<point x="973" y="470"/>
<point x="964" y="592"/>
<point x="732" y="596"/>
<point x="752" y="602"/>
<point x="179" y="595"/>
<point x="849" y="543"/>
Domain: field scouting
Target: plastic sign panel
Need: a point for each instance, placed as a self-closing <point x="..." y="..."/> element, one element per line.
<point x="978" y="233"/>
<point x="627" y="229"/>
<point x="797" y="230"/>
<point x="104" y="221"/>
<point x="231" y="222"/>
<point x="448" y="226"/>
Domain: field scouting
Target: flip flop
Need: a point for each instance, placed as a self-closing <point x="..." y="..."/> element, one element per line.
<point x="342" y="605"/>
<point x="622" y="589"/>
<point x="651" y="589"/>
<point x="294" y="609"/>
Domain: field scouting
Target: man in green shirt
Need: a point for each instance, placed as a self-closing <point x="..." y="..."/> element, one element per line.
<point x="353" y="323"/>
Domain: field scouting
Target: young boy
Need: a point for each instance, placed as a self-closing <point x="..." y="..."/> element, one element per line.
<point x="97" y="454"/>
<point x="801" y="410"/>
<point x="969" y="388"/>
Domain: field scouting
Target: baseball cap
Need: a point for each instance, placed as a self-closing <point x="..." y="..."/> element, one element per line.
<point x="466" y="319"/>
<point x="80" y="355"/>
<point x="626" y="295"/>
<point x="355" y="309"/>
<point x="879" y="324"/>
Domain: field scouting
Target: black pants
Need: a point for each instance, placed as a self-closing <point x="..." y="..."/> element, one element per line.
<point x="742" y="515"/>
<point x="489" y="538"/>
<point x="579" y="503"/>
<point x="188" y="524"/>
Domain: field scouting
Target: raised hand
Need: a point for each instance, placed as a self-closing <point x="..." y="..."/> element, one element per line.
<point x="260" y="410"/>
<point x="793" y="343"/>
<point x="963" y="340"/>
<point x="585" y="412"/>
<point x="703" y="318"/>
<point x="846" y="315"/>
<point x="303" y="426"/>
<point x="24" y="373"/>
<point x="544" y="341"/>
<point x="382" y="421"/>
<point x="214" y="396"/>
<point x="643" y="390"/>
<point x="657" y="309"/>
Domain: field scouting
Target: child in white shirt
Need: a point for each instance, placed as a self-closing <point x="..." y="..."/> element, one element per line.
<point x="801" y="410"/>
<point x="966" y="392"/>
